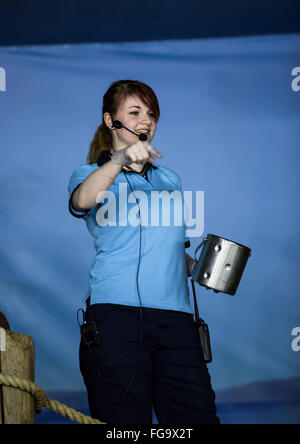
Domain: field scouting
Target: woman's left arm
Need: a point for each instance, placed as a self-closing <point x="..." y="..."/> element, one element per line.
<point x="190" y="263"/>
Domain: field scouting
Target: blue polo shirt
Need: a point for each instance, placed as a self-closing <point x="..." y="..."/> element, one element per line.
<point x="115" y="226"/>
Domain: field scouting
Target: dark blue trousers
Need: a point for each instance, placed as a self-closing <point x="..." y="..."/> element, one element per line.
<point x="171" y="373"/>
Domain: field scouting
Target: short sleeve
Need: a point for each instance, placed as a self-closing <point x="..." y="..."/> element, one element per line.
<point x="78" y="176"/>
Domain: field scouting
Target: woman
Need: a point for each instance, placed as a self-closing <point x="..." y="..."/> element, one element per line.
<point x="145" y="349"/>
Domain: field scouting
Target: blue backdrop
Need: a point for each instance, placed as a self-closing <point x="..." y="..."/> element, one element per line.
<point x="229" y="126"/>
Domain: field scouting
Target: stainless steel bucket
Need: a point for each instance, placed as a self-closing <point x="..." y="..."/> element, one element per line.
<point x="221" y="264"/>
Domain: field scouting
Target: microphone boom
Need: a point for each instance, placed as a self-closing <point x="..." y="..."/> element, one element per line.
<point x="118" y="125"/>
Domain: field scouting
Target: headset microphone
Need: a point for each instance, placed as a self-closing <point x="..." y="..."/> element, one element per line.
<point x="118" y="125"/>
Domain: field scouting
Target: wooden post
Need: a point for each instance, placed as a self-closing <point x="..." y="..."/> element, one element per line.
<point x="16" y="359"/>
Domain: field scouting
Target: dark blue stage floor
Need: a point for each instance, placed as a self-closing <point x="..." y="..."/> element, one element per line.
<point x="228" y="414"/>
<point x="269" y="402"/>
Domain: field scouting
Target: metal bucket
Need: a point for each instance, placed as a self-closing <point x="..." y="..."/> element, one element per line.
<point x="221" y="264"/>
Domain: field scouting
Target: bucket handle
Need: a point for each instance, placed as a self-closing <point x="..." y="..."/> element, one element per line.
<point x="198" y="248"/>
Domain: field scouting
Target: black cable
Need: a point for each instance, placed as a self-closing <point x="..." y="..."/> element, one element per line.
<point x="99" y="373"/>
<point x="137" y="282"/>
<point x="141" y="325"/>
<point x="137" y="287"/>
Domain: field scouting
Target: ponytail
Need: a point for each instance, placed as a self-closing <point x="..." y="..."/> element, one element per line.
<point x="102" y="141"/>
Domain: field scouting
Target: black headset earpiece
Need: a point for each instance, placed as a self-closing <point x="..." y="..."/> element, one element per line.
<point x="117" y="124"/>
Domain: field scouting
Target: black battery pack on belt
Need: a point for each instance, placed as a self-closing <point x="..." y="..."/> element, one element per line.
<point x="89" y="331"/>
<point x="205" y="340"/>
<point x="90" y="334"/>
<point x="203" y="331"/>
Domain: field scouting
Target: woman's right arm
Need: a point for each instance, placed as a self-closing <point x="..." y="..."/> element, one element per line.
<point x="93" y="189"/>
<point x="95" y="186"/>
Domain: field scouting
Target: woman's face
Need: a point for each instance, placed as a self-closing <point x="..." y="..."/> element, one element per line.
<point x="136" y="116"/>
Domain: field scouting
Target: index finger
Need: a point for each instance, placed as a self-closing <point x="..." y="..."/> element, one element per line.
<point x="152" y="150"/>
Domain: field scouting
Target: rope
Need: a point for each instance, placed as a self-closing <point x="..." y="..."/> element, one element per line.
<point x="42" y="400"/>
